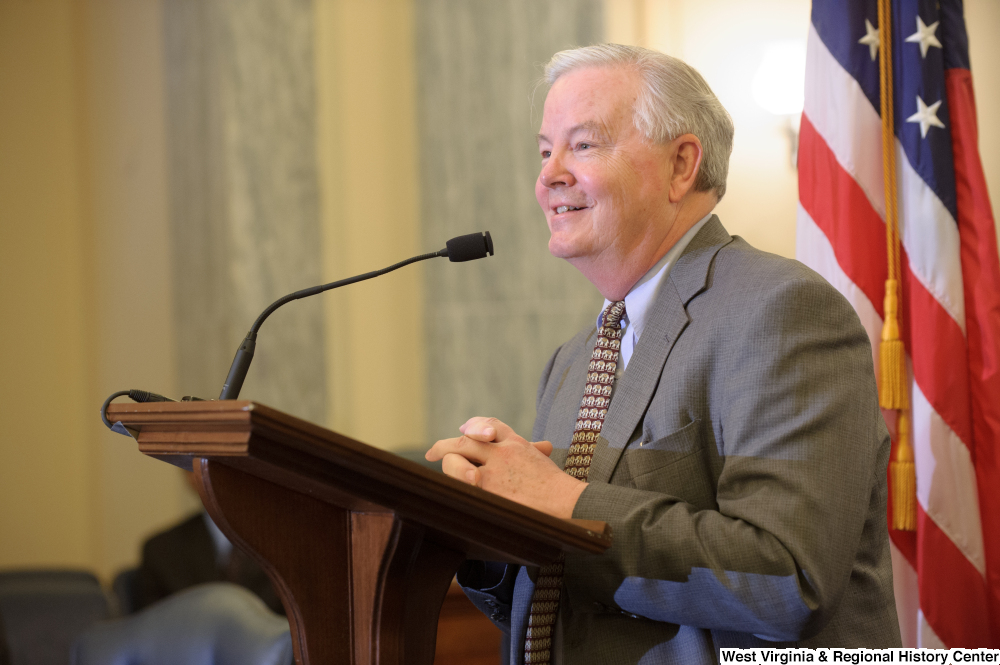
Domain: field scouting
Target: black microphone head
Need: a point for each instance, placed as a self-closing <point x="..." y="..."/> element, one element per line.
<point x="470" y="247"/>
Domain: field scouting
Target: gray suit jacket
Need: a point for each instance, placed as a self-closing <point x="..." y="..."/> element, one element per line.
<point x="742" y="467"/>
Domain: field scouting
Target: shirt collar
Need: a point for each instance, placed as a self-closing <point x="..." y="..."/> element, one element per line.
<point x="642" y="295"/>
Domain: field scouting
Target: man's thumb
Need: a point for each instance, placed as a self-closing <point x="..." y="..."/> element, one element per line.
<point x="544" y="447"/>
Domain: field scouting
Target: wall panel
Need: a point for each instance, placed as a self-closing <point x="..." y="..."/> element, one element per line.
<point x="492" y="324"/>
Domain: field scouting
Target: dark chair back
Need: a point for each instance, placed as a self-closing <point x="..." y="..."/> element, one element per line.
<point x="125" y="588"/>
<point x="43" y="612"/>
<point x="4" y="653"/>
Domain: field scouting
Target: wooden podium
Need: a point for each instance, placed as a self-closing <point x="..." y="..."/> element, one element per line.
<point x="360" y="543"/>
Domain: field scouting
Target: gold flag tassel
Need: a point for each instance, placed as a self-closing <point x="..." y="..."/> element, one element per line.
<point x="891" y="354"/>
<point x="904" y="478"/>
<point x="893" y="393"/>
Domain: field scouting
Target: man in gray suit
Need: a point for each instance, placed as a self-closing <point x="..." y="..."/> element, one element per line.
<point x="741" y="459"/>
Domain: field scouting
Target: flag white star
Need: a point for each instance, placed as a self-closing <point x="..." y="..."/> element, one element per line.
<point x="926" y="116"/>
<point x="925" y="36"/>
<point x="871" y="39"/>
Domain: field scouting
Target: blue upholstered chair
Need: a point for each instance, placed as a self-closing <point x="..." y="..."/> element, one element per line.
<point x="210" y="624"/>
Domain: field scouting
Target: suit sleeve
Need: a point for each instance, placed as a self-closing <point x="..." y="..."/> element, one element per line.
<point x="796" y="438"/>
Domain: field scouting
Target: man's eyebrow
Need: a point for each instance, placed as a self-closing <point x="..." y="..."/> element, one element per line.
<point x="590" y="126"/>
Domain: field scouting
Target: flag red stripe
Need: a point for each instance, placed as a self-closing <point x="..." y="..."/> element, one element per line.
<point x="952" y="592"/>
<point x="981" y="277"/>
<point x="937" y="349"/>
<point x="840" y="208"/>
<point x="836" y="202"/>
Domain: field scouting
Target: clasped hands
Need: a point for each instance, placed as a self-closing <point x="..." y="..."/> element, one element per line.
<point x="491" y="455"/>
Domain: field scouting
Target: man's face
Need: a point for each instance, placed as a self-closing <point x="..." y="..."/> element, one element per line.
<point x="603" y="188"/>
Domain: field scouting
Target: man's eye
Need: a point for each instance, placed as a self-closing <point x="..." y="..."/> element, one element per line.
<point x="583" y="146"/>
<point x="546" y="154"/>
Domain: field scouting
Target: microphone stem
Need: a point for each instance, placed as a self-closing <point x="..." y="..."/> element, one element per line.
<point x="244" y="355"/>
<point x="313" y="290"/>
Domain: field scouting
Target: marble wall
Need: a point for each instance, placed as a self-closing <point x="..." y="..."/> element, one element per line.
<point x="244" y="195"/>
<point x="492" y="324"/>
<point x="246" y="223"/>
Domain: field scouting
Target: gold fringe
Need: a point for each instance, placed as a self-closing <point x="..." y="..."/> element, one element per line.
<point x="904" y="478"/>
<point x="892" y="392"/>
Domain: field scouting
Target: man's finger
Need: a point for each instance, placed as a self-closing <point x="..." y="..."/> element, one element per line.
<point x="458" y="467"/>
<point x="469" y="448"/>
<point x="480" y="428"/>
<point x="438" y="450"/>
<point x="487" y="429"/>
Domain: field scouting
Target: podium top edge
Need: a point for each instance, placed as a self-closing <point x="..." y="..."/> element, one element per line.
<point x="328" y="446"/>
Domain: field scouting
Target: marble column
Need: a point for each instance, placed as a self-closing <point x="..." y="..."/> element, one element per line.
<point x="244" y="195"/>
<point x="492" y="324"/>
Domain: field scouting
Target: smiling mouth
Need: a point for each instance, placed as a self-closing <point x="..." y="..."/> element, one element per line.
<point x="561" y="209"/>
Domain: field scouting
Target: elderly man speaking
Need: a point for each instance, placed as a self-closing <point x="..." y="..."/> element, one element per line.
<point x="722" y="415"/>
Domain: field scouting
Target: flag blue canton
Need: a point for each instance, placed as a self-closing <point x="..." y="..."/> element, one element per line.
<point x="918" y="72"/>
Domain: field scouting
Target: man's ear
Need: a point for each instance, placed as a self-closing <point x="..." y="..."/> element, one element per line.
<point x="686" y="154"/>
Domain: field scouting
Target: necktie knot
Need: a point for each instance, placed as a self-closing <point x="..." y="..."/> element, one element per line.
<point x="612" y="315"/>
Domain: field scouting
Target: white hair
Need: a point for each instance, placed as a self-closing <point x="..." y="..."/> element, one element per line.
<point x="674" y="100"/>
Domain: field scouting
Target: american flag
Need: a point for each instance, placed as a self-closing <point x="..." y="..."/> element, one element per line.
<point x="947" y="572"/>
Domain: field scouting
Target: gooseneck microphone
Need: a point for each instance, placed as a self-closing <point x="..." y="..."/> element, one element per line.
<point x="463" y="248"/>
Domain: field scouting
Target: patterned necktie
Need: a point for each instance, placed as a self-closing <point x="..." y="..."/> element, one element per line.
<point x="589" y="421"/>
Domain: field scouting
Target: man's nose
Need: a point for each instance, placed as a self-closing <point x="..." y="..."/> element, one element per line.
<point x="555" y="173"/>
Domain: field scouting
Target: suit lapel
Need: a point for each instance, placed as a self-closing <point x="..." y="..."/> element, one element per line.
<point x="666" y="322"/>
